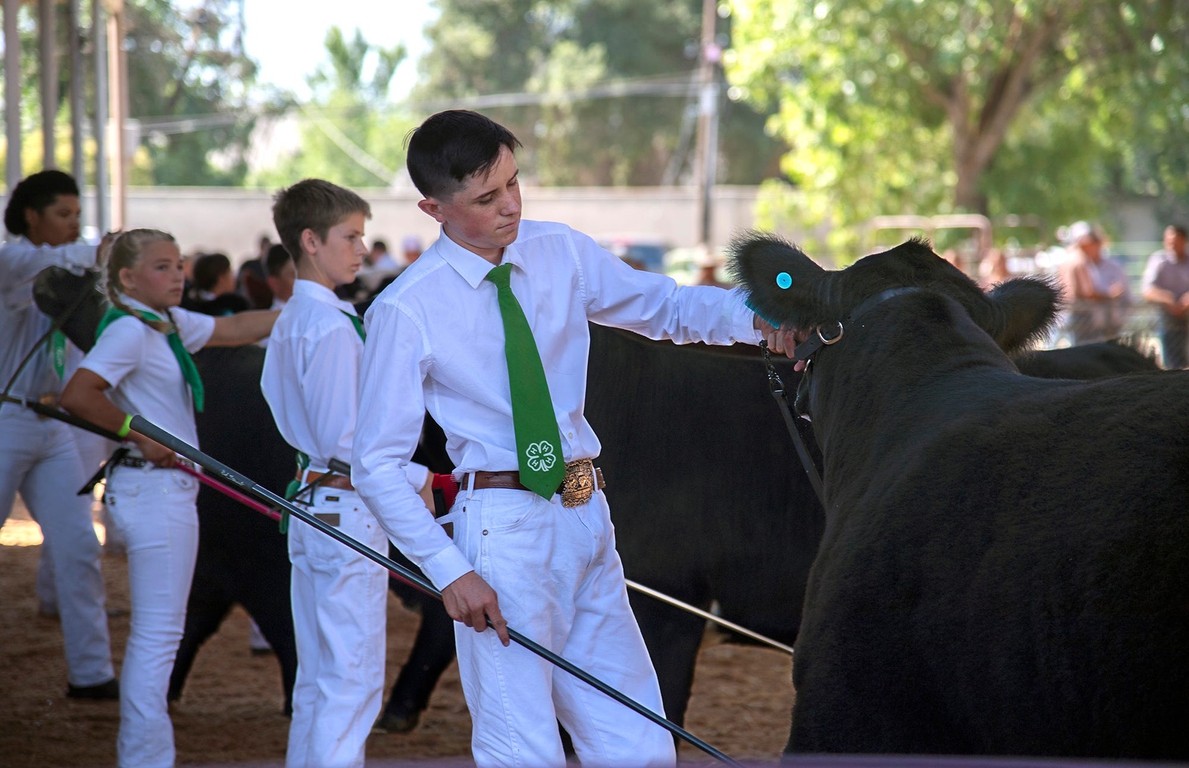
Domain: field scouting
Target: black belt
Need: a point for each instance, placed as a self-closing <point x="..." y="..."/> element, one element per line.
<point x="141" y="463"/>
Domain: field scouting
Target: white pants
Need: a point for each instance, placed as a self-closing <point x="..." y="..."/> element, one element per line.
<point x="560" y="582"/>
<point x="40" y="459"/>
<point x="339" y="616"/>
<point x="155" y="511"/>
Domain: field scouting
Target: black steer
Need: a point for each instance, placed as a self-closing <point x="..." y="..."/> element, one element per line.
<point x="696" y="455"/>
<point x="1003" y="569"/>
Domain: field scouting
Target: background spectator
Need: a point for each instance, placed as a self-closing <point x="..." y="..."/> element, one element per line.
<point x="281" y="275"/>
<point x="1166" y="283"/>
<point x="252" y="278"/>
<point x="411" y="246"/>
<point x="380" y="260"/>
<point x="1096" y="287"/>
<point x="214" y="287"/>
<point x="993" y="270"/>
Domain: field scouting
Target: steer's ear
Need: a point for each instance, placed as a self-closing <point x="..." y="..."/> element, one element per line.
<point x="779" y="279"/>
<point x="1025" y="309"/>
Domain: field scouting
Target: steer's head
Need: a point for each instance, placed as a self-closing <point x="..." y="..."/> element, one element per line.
<point x="785" y="285"/>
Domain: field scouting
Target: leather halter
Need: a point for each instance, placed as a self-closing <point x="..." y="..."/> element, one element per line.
<point x="818" y="340"/>
<point x="806" y="349"/>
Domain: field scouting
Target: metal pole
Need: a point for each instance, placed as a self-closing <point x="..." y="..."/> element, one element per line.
<point x="77" y="108"/>
<point x="99" y="41"/>
<point x="12" y="94"/>
<point x="117" y="101"/>
<point x="707" y="152"/>
<point x="229" y="475"/>
<point x="47" y="45"/>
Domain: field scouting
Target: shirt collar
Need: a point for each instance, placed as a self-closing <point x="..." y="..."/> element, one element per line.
<point x="321" y="293"/>
<point x="132" y="303"/>
<point x="471" y="266"/>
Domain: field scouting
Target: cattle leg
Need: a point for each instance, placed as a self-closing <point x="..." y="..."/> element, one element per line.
<point x="432" y="652"/>
<point x="205" y="611"/>
<point x="673" y="638"/>
<point x="273" y="613"/>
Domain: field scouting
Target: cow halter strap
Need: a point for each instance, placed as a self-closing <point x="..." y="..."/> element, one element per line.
<point x="819" y="339"/>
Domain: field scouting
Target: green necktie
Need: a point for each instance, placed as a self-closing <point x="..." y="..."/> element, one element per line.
<point x="355" y="321"/>
<point x="57" y="347"/>
<point x="189" y="370"/>
<point x="538" y="441"/>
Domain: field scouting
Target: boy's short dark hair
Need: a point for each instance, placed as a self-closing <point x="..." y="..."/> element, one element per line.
<point x="208" y="268"/>
<point x="316" y="205"/>
<point x="276" y="260"/>
<point x="452" y="146"/>
<point x="36" y="191"/>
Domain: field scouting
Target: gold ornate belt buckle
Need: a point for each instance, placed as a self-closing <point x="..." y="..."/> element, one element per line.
<point x="579" y="483"/>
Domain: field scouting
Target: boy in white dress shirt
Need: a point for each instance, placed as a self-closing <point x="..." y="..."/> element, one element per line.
<point x="437" y="336"/>
<point x="310" y="382"/>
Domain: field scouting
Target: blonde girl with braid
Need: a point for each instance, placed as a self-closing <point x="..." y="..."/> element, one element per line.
<point x="141" y="364"/>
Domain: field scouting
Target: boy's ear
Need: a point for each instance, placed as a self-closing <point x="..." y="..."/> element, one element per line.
<point x="432" y="208"/>
<point x="309" y="241"/>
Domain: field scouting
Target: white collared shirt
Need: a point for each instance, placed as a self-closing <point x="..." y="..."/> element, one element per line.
<point x="436" y="342"/>
<point x="311" y="376"/>
<point x="22" y="322"/>
<point x="144" y="373"/>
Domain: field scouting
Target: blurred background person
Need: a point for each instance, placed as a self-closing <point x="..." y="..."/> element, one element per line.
<point x="252" y="280"/>
<point x="708" y="263"/>
<point x="1096" y="287"/>
<point x="411" y="247"/>
<point x="281" y="276"/>
<point x="1166" y="284"/>
<point x="379" y="259"/>
<point x="214" y="284"/>
<point x="993" y="269"/>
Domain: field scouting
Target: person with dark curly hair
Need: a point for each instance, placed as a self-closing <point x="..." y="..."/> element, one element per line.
<point x="40" y="457"/>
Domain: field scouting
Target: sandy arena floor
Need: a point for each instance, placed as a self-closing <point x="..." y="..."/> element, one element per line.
<point x="231" y="711"/>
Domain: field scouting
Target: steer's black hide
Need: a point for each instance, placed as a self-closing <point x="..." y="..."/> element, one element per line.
<point x="1003" y="566"/>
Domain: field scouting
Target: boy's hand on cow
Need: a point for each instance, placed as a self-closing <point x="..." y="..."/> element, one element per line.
<point x="782" y="341"/>
<point x="472" y="601"/>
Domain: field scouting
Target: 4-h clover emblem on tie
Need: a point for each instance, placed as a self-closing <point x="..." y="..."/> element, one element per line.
<point x="540" y="456"/>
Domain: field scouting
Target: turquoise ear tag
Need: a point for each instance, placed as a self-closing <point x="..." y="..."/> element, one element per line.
<point x="784" y="280"/>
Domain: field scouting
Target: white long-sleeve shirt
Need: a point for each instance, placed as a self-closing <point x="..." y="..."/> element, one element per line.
<point x="22" y="323"/>
<point x="436" y="342"/>
<point x="311" y="377"/>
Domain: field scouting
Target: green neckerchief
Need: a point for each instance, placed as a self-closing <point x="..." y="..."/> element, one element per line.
<point x="189" y="370"/>
<point x="57" y="347"/>
<point x="355" y="321"/>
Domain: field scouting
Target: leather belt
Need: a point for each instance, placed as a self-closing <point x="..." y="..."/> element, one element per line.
<point x="327" y="480"/>
<point x="140" y="463"/>
<point x="580" y="483"/>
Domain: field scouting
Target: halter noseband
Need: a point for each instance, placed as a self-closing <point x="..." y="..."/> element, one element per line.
<point x="819" y="339"/>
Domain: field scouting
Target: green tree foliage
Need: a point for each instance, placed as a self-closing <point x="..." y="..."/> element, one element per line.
<point x="993" y="106"/>
<point x="188" y="81"/>
<point x="188" y="62"/>
<point x="557" y="47"/>
<point x="349" y="135"/>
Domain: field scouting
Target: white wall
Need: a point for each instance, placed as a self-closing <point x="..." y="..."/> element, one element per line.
<point x="232" y="220"/>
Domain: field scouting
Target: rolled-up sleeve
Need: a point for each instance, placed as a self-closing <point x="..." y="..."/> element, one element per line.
<point x="391" y="411"/>
<point x="656" y="306"/>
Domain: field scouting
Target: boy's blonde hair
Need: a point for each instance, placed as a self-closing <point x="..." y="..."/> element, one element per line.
<point x="126" y="251"/>
<point x="316" y="205"/>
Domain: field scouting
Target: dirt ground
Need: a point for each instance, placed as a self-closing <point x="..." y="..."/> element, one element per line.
<point x="230" y="713"/>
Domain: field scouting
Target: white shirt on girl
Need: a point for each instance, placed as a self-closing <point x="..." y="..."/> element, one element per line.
<point x="143" y="371"/>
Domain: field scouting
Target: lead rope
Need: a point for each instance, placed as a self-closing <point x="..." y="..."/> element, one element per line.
<point x="776" y="387"/>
